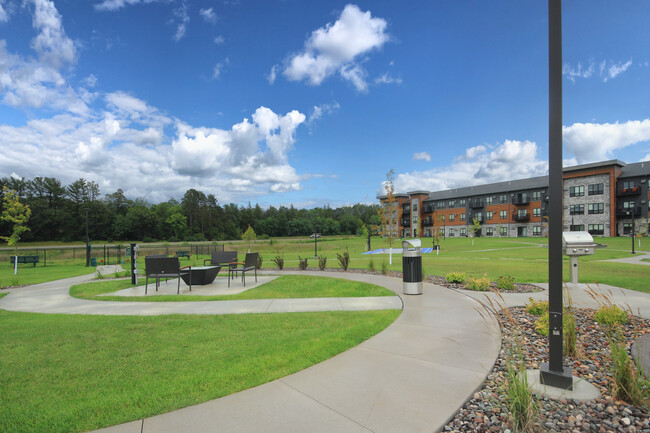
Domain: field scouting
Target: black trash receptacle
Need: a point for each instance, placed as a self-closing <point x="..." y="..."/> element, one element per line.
<point x="412" y="267"/>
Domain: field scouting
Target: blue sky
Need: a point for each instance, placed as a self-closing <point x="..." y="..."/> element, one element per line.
<point x="312" y="103"/>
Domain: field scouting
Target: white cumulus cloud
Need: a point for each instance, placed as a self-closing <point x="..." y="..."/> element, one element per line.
<point x="590" y="142"/>
<point x="512" y="159"/>
<point x="421" y="156"/>
<point x="337" y="47"/>
<point x="209" y="15"/>
<point x="606" y="70"/>
<point x="113" y="5"/>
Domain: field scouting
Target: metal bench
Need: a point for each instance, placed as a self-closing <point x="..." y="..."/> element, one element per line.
<point x="24" y="259"/>
<point x="181" y="254"/>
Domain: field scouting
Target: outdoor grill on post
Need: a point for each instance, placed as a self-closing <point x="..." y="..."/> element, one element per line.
<point x="412" y="267"/>
<point x="576" y="244"/>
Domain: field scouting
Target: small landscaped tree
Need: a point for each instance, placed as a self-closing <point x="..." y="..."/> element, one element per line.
<point x="249" y="235"/>
<point x="475" y="229"/>
<point x="17" y="215"/>
<point x="437" y="226"/>
<point x="390" y="213"/>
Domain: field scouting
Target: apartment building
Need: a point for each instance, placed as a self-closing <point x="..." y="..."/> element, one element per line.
<point x="603" y="198"/>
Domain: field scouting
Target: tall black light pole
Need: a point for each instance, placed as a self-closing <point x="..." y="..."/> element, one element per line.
<point x="315" y="237"/>
<point x="554" y="373"/>
<point x="87" y="244"/>
<point x="632" y="217"/>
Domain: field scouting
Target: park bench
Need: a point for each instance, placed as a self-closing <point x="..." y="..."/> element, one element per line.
<point x="181" y="254"/>
<point x="25" y="259"/>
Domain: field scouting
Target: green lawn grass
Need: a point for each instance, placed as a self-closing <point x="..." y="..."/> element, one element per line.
<point x="283" y="287"/>
<point x="28" y="274"/>
<point x="523" y="258"/>
<point x="72" y="373"/>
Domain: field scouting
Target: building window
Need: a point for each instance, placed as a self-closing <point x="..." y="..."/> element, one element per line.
<point x="537" y="196"/>
<point x="537" y="230"/>
<point x="441" y="231"/>
<point x="503" y="198"/>
<point x="489" y="214"/>
<point x="451" y="233"/>
<point x="463" y="231"/>
<point x="627" y="228"/>
<point x="596" y="208"/>
<point x="577" y="209"/>
<point x="488" y="231"/>
<point x="503" y="214"/>
<point x="596" y="189"/>
<point x="415" y="207"/>
<point x="442" y="218"/>
<point x="628" y="205"/>
<point x="577" y="191"/>
<point x="628" y="184"/>
<point x="462" y="217"/>
<point x="462" y="203"/>
<point x="596" y="229"/>
<point x="452" y="217"/>
<point x="577" y="228"/>
<point x="488" y="201"/>
<point x="503" y="231"/>
<point x="478" y="216"/>
<point x="537" y="212"/>
<point x="522" y="212"/>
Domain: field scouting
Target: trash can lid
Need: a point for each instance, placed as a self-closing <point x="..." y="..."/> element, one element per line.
<point x="411" y="244"/>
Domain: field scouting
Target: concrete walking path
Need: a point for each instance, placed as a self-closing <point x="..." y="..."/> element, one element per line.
<point x="636" y="259"/>
<point x="53" y="298"/>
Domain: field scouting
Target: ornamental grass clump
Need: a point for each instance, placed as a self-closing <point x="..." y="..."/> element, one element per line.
<point x="344" y="260"/>
<point x="384" y="268"/>
<point x="456" y="277"/>
<point x="611" y="315"/>
<point x="478" y="284"/>
<point x="322" y="262"/>
<point x="371" y="266"/>
<point x="260" y="260"/>
<point x="302" y="263"/>
<point x="279" y="262"/>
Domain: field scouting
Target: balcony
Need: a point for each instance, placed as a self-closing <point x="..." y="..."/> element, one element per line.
<point x="406" y="222"/>
<point x="480" y="219"/>
<point x="476" y="204"/>
<point x="630" y="191"/>
<point x="629" y="212"/>
<point x="406" y="210"/>
<point x="428" y="221"/>
<point x="520" y="200"/>
<point x="521" y="218"/>
<point x="428" y="208"/>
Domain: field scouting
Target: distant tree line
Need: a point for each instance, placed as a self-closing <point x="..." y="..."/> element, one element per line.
<point x="58" y="214"/>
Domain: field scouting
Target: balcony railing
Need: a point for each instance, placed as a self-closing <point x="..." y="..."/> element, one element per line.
<point x="406" y="222"/>
<point x="630" y="191"/>
<point x="428" y="208"/>
<point x="406" y="210"/>
<point x="520" y="200"/>
<point x="521" y="218"/>
<point x="428" y="221"/>
<point x="477" y="204"/>
<point x="629" y="212"/>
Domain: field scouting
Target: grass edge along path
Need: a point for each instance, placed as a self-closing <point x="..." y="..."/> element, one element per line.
<point x="283" y="287"/>
<point x="72" y="373"/>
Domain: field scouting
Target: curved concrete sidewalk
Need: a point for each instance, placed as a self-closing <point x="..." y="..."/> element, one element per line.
<point x="636" y="259"/>
<point x="411" y="377"/>
<point x="53" y="298"/>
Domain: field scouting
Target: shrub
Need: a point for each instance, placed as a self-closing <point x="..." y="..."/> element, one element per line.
<point x="344" y="260"/>
<point x="302" y="263"/>
<point x="506" y="283"/>
<point x="610" y="316"/>
<point x="371" y="266"/>
<point x="260" y="260"/>
<point x="479" y="284"/>
<point x="569" y="337"/>
<point x="537" y="308"/>
<point x="384" y="268"/>
<point x="541" y="324"/>
<point x="628" y="385"/>
<point x="322" y="262"/>
<point x="456" y="277"/>
<point x="263" y="237"/>
<point x="279" y="262"/>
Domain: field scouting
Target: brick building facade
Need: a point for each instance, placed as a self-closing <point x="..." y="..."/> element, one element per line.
<point x="604" y="198"/>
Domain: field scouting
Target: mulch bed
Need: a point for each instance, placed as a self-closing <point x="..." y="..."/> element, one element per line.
<point x="485" y="411"/>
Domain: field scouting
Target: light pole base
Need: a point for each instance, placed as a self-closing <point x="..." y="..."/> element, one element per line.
<point x="563" y="380"/>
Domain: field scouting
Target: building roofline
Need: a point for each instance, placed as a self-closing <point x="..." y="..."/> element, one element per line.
<point x="595" y="165"/>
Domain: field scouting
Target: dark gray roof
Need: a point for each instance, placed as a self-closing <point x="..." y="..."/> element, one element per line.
<point x="594" y="165"/>
<point x="418" y="192"/>
<point x="492" y="188"/>
<point x="637" y="169"/>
